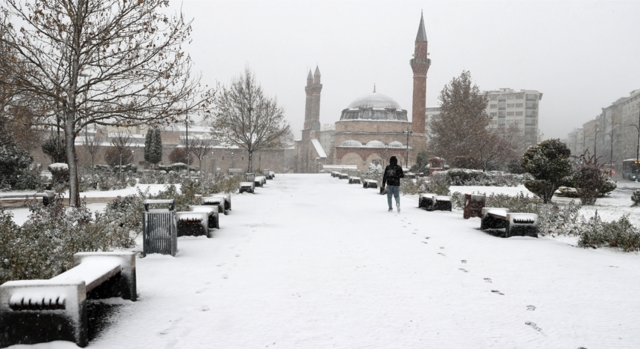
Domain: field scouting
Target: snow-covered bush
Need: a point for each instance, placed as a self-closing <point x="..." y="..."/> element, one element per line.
<point x="14" y="164"/>
<point x="465" y="177"/>
<point x="438" y="183"/>
<point x="374" y="170"/>
<point x="635" y="197"/>
<point x="91" y="179"/>
<point x="59" y="173"/>
<point x="44" y="246"/>
<point x="618" y="234"/>
<point x="548" y="162"/>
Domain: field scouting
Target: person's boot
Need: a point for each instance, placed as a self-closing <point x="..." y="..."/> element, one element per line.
<point x="398" y="206"/>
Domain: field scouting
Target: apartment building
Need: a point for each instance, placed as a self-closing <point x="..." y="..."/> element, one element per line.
<point x="510" y="109"/>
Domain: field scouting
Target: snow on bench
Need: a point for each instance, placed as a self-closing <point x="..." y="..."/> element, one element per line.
<point x="47" y="196"/>
<point x="248" y="187"/>
<point x="260" y="181"/>
<point x="354" y="180"/>
<point x="515" y="224"/>
<point x="193" y="223"/>
<point x="370" y="183"/>
<point x="218" y="200"/>
<point x="39" y="311"/>
<point x="212" y="211"/>
<point x="335" y="174"/>
<point x="433" y="202"/>
<point x="343" y="176"/>
<point x="227" y="201"/>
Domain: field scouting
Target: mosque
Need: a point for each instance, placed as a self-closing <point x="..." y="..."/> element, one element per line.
<point x="371" y="129"/>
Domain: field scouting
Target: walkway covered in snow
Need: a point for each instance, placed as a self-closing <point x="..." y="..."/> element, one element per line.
<point x="310" y="261"/>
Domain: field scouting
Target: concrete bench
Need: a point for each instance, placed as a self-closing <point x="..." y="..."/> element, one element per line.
<point x="217" y="200"/>
<point x="354" y="180"/>
<point x="370" y="183"/>
<point x="211" y="211"/>
<point x="335" y="174"/>
<point x="249" y="187"/>
<point x="260" y="181"/>
<point x="433" y="202"/>
<point x="193" y="223"/>
<point x="473" y="205"/>
<point x="343" y="176"/>
<point x="227" y="201"/>
<point x="515" y="224"/>
<point x="39" y="311"/>
<point x="47" y="197"/>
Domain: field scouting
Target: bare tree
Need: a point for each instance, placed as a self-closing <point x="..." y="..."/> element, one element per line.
<point x="106" y="62"/>
<point x="244" y="116"/>
<point x="93" y="144"/>
<point x="199" y="147"/>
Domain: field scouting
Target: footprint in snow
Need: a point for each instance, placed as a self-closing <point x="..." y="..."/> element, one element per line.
<point x="466" y="271"/>
<point x="487" y="280"/>
<point x="533" y="325"/>
<point x="498" y="292"/>
<point x="442" y="254"/>
<point x="464" y="261"/>
<point x="427" y="237"/>
<point x="442" y="248"/>
<point x="204" y="308"/>
<point x="531" y="307"/>
<point x="424" y="242"/>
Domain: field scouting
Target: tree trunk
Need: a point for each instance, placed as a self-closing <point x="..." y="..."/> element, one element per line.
<point x="250" y="169"/>
<point x="70" y="139"/>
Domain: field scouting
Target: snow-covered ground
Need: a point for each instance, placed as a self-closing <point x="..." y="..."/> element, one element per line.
<point x="310" y="261"/>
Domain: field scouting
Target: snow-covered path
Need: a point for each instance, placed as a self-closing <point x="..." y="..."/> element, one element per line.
<point x="312" y="262"/>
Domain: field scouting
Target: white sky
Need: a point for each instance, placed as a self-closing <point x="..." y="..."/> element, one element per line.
<point x="580" y="54"/>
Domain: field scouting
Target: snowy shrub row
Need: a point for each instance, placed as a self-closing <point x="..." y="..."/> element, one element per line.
<point x="95" y="179"/>
<point x="44" y="246"/>
<point x="617" y="234"/>
<point x="465" y="177"/>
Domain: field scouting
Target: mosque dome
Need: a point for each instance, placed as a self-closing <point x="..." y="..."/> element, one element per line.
<point x="351" y="143"/>
<point x="375" y="144"/>
<point x="374" y="106"/>
<point x="395" y="144"/>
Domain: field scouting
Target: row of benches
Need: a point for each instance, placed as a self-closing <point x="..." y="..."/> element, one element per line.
<point x="366" y="183"/>
<point x="255" y="181"/>
<point x="491" y="218"/>
<point x="38" y="311"/>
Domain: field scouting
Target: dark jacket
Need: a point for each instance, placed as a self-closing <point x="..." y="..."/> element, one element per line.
<point x="392" y="173"/>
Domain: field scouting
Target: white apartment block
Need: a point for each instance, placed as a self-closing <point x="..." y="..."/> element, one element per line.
<point x="509" y="108"/>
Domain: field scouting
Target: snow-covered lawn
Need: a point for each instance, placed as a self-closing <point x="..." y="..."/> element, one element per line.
<point x="310" y="261"/>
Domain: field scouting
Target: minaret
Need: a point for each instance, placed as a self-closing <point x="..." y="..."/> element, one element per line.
<point x="312" y="106"/>
<point x="420" y="65"/>
<point x="307" y="105"/>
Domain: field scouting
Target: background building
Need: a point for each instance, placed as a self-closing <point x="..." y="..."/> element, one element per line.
<point x="509" y="108"/>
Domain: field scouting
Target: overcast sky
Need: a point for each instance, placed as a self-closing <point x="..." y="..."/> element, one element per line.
<point x="582" y="55"/>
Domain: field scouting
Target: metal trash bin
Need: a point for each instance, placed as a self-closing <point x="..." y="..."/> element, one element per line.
<point x="159" y="228"/>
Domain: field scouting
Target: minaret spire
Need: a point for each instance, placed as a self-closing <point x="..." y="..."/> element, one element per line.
<point x="420" y="65"/>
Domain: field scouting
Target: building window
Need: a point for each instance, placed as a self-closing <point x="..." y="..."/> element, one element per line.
<point x="531" y="105"/>
<point x="532" y="97"/>
<point x="493" y="97"/>
<point x="501" y="114"/>
<point x="520" y="96"/>
<point x="518" y="113"/>
<point x="530" y="122"/>
<point x="519" y="105"/>
<point x="493" y="106"/>
<point x="509" y="113"/>
<point x="531" y="113"/>
<point x="502" y="105"/>
<point x="494" y="114"/>
<point x="510" y="105"/>
<point x="511" y="97"/>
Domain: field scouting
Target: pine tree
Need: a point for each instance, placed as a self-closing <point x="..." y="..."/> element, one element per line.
<point x="155" y="153"/>
<point x="147" y="145"/>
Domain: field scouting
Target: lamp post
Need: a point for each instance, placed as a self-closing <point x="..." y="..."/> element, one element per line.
<point x="408" y="134"/>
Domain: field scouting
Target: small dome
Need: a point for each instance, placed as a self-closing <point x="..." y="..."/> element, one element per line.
<point x="396" y="144"/>
<point x="375" y="144"/>
<point x="351" y="143"/>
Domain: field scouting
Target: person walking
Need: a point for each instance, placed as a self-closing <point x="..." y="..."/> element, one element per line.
<point x="391" y="181"/>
